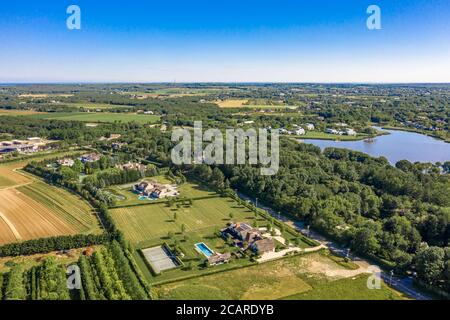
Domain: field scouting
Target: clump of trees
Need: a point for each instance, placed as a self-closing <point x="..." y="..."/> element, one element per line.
<point x="378" y="210"/>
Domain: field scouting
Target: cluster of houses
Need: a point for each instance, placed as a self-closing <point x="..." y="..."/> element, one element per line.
<point x="132" y="166"/>
<point x="298" y="130"/>
<point x="347" y="131"/>
<point x="246" y="237"/>
<point x="418" y="126"/>
<point x="31" y="145"/>
<point x="89" y="157"/>
<point x="152" y="189"/>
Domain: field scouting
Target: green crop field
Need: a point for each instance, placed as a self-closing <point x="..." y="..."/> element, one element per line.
<point x="90" y="105"/>
<point x="100" y="117"/>
<point x="69" y="207"/>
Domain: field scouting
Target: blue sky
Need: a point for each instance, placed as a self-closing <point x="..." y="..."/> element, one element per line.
<point x="225" y="41"/>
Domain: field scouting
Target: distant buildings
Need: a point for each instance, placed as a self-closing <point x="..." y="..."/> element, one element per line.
<point x="66" y="162"/>
<point x="350" y="132"/>
<point x="347" y="131"/>
<point x="31" y="145"/>
<point x="299" y="131"/>
<point x="90" y="157"/>
<point x="132" y="166"/>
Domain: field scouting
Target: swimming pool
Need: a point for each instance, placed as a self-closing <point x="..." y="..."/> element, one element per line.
<point x="203" y="248"/>
<point x="145" y="198"/>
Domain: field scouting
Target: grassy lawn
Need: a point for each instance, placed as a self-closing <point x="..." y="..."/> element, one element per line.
<point x="326" y="136"/>
<point x="289" y="278"/>
<point x="143" y="223"/>
<point x="126" y="196"/>
<point x="346" y="289"/>
<point x="100" y="117"/>
<point x="90" y="105"/>
<point x="65" y="205"/>
<point x="153" y="224"/>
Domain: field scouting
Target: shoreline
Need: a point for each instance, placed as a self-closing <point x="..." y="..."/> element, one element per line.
<point x="415" y="131"/>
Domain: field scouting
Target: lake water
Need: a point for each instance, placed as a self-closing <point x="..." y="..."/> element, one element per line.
<point x="398" y="145"/>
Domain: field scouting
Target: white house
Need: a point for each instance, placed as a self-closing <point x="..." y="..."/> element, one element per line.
<point x="350" y="132"/>
<point x="310" y="126"/>
<point x="66" y="162"/>
<point x="332" y="131"/>
<point x="299" y="131"/>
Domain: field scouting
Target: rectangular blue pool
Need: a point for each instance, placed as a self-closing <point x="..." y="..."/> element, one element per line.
<point x="203" y="248"/>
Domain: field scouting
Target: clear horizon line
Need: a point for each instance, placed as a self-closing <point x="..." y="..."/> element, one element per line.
<point x="217" y="82"/>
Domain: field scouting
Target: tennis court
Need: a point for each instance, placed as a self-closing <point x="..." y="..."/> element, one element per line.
<point x="160" y="258"/>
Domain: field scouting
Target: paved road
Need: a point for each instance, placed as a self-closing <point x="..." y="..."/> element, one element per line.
<point x="401" y="284"/>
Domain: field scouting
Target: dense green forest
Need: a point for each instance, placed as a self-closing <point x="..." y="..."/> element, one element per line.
<point x="400" y="214"/>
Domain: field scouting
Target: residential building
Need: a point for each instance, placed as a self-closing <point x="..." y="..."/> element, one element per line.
<point x="218" y="258"/>
<point x="66" y="162"/>
<point x="263" y="246"/>
<point x="90" y="157"/>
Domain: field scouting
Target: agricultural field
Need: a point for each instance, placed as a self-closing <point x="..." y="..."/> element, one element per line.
<point x="7" y="112"/>
<point x="11" y="176"/>
<point x="30" y="208"/>
<point x="25" y="218"/>
<point x="69" y="207"/>
<point x="94" y="106"/>
<point x="243" y="103"/>
<point x="100" y="117"/>
<point x="298" y="277"/>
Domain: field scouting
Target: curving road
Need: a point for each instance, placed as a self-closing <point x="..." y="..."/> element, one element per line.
<point x="403" y="285"/>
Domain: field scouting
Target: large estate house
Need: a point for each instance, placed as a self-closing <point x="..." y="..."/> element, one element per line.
<point x="153" y="189"/>
<point x="247" y="237"/>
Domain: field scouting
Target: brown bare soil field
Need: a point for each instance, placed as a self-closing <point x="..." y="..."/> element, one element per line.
<point x="25" y="219"/>
<point x="44" y="95"/>
<point x="4" y="112"/>
<point x="231" y="103"/>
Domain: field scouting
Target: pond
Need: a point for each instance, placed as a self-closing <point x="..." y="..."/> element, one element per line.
<point x="396" y="146"/>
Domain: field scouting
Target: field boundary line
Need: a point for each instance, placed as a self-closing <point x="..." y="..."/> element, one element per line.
<point x="163" y="202"/>
<point x="11" y="226"/>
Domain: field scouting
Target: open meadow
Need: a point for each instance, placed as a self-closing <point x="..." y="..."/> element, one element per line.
<point x="243" y="103"/>
<point x="99" y="117"/>
<point x="299" y="277"/>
